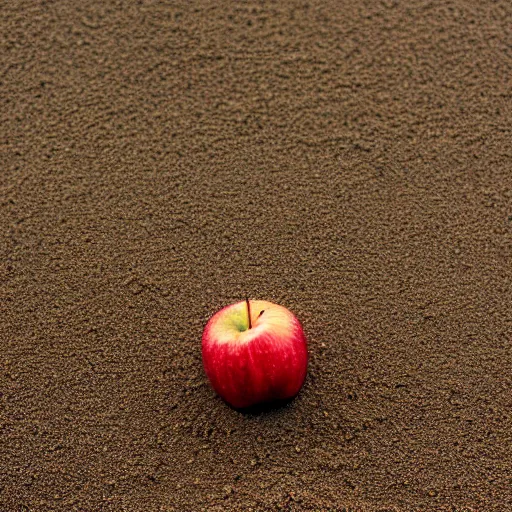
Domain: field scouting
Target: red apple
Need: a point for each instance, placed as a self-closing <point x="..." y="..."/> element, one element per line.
<point x="253" y="352"/>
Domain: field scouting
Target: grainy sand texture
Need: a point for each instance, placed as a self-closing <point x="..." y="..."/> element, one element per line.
<point x="350" y="160"/>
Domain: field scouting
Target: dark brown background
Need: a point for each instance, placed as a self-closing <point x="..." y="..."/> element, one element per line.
<point x="349" y="160"/>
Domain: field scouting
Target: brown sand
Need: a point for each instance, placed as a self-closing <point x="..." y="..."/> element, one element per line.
<point x="349" y="160"/>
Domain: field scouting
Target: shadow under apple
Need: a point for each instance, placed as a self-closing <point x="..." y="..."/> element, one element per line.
<point x="266" y="408"/>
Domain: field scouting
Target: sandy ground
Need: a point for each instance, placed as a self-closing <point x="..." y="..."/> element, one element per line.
<point x="349" y="160"/>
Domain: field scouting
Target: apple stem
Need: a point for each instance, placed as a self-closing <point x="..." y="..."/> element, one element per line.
<point x="248" y="311"/>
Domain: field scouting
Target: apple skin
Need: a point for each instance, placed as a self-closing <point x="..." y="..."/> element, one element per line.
<point x="265" y="363"/>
